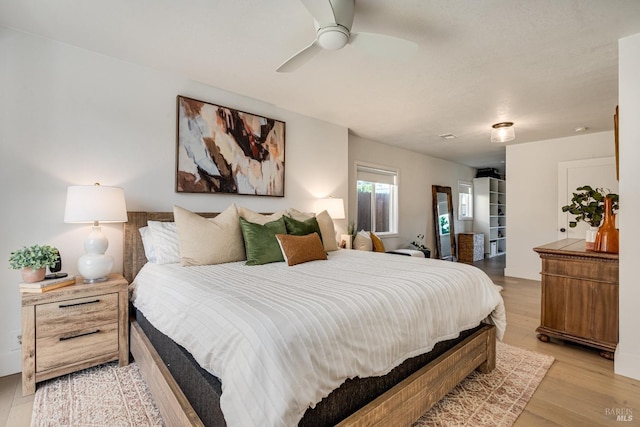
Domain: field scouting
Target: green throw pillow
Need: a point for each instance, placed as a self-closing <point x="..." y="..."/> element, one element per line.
<point x="302" y="228"/>
<point x="260" y="241"/>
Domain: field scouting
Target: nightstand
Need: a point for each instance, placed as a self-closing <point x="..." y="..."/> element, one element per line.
<point x="72" y="328"/>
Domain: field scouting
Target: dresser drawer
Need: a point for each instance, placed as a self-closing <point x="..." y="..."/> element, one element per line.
<point x="71" y="315"/>
<point x="80" y="345"/>
<point x="581" y="269"/>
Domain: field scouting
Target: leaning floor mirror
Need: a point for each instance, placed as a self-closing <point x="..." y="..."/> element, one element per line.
<point x="443" y="222"/>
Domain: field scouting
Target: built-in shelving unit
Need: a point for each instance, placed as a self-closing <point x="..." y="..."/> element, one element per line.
<point x="490" y="214"/>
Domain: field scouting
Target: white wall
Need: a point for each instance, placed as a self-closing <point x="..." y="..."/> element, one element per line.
<point x="418" y="173"/>
<point x="70" y="116"/>
<point x="627" y="360"/>
<point x="532" y="189"/>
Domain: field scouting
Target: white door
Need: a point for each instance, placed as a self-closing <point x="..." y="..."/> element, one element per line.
<point x="598" y="173"/>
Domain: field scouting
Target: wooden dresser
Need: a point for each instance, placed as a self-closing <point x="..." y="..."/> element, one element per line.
<point x="579" y="295"/>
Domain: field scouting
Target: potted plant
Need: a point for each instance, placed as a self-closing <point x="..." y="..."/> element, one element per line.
<point x="33" y="261"/>
<point x="419" y="245"/>
<point x="588" y="206"/>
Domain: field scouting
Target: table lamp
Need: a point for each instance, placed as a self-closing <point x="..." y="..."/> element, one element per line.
<point x="95" y="204"/>
<point x="334" y="207"/>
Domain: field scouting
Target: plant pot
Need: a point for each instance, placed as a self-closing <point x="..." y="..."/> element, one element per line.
<point x="29" y="275"/>
<point x="590" y="238"/>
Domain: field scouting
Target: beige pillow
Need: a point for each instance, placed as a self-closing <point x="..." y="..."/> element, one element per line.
<point x="300" y="216"/>
<point x="362" y="241"/>
<point x="299" y="249"/>
<point x="258" y="218"/>
<point x="209" y="241"/>
<point x="328" y="231"/>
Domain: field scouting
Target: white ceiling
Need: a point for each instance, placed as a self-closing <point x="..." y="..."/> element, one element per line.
<point x="547" y="65"/>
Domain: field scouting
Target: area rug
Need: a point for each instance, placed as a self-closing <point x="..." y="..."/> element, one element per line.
<point x="109" y="396"/>
<point x="493" y="399"/>
<point x="106" y="395"/>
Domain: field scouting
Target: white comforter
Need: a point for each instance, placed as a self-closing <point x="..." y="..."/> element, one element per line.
<point x="281" y="338"/>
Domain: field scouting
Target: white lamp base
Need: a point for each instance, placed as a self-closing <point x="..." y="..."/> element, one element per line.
<point x="94" y="266"/>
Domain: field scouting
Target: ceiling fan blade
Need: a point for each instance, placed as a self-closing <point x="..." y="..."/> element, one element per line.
<point x="321" y="10"/>
<point x="384" y="46"/>
<point x="300" y="58"/>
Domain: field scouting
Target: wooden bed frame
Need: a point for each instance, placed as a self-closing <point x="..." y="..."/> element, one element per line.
<point x="400" y="406"/>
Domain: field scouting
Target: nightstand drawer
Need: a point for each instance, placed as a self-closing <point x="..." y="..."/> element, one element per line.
<point x="79" y="345"/>
<point x="74" y="314"/>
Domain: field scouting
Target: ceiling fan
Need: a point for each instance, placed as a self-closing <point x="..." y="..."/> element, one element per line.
<point x="333" y="20"/>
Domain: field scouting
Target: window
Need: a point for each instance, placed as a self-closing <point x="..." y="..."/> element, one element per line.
<point x="465" y="200"/>
<point x="377" y="199"/>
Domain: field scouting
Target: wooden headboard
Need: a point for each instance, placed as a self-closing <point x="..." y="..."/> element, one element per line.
<point x="133" y="251"/>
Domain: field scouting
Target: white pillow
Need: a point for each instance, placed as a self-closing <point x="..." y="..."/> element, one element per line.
<point x="165" y="241"/>
<point x="209" y="241"/>
<point x="147" y="244"/>
<point x="362" y="241"/>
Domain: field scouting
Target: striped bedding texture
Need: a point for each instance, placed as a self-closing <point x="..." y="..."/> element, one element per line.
<point x="281" y="338"/>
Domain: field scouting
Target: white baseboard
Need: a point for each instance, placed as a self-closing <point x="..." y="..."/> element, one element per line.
<point x="627" y="364"/>
<point x="522" y="274"/>
<point x="10" y="363"/>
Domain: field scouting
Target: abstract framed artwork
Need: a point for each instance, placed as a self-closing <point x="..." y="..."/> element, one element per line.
<point x="222" y="150"/>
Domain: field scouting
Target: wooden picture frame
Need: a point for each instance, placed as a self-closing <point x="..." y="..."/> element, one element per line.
<point x="223" y="150"/>
<point x="616" y="119"/>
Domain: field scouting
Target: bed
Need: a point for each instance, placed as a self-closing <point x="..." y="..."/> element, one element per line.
<point x="187" y="394"/>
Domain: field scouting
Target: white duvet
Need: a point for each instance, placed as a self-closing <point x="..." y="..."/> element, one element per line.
<point x="281" y="338"/>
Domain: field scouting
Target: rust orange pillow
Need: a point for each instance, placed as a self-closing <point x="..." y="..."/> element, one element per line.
<point x="299" y="249"/>
<point x="378" y="246"/>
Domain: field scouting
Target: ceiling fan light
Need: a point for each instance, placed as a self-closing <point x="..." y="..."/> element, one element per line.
<point x="503" y="132"/>
<point x="333" y="38"/>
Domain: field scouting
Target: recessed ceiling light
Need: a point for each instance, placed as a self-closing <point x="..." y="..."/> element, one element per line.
<point x="447" y="136"/>
<point x="581" y="128"/>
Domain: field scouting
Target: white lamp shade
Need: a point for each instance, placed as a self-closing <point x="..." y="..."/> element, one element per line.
<point x="334" y="207"/>
<point x="91" y="203"/>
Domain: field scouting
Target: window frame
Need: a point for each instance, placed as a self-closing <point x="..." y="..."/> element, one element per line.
<point x="394" y="204"/>
<point x="461" y="191"/>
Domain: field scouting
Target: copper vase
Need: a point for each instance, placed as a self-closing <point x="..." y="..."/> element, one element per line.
<point x="607" y="237"/>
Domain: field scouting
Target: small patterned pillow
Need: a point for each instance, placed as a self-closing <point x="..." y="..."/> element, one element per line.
<point x="299" y="249"/>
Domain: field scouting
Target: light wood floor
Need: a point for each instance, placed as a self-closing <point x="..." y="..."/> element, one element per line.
<point x="580" y="389"/>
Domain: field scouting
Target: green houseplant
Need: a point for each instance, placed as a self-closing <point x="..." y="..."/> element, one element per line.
<point x="33" y="261"/>
<point x="419" y="245"/>
<point x="588" y="205"/>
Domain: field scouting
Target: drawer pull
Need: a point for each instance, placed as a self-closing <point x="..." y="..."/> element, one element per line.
<point x="80" y="335"/>
<point x="78" y="303"/>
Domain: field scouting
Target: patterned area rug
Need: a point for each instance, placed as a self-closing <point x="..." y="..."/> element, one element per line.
<point x="102" y="396"/>
<point x="107" y="396"/>
<point x="493" y="399"/>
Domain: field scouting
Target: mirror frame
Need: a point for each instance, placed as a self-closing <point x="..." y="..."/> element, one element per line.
<point x="435" y="189"/>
